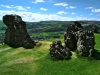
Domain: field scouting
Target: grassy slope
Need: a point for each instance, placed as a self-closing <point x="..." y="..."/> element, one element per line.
<point x="37" y="61"/>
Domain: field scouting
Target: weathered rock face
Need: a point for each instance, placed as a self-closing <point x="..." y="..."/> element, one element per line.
<point x="75" y="38"/>
<point x="85" y="43"/>
<point x="95" y="30"/>
<point x="16" y="34"/>
<point x="70" y="41"/>
<point x="58" y="51"/>
<point x="70" y="38"/>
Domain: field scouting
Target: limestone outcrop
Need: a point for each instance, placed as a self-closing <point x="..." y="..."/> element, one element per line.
<point x="95" y="30"/>
<point x="58" y="51"/>
<point x="70" y="35"/>
<point x="16" y="34"/>
<point x="85" y="43"/>
<point x="75" y="38"/>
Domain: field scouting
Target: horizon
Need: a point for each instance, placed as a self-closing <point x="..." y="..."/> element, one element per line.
<point x="55" y="10"/>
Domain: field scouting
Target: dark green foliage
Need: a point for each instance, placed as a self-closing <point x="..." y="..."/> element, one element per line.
<point x="49" y="29"/>
<point x="96" y="54"/>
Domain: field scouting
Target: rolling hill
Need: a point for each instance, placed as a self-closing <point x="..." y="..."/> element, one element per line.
<point x="48" y="29"/>
<point x="37" y="61"/>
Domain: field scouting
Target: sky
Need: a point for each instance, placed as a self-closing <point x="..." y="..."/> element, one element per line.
<point x="58" y="10"/>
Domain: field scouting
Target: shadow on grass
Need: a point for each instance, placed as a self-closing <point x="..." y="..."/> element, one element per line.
<point x="55" y="59"/>
<point x="96" y="54"/>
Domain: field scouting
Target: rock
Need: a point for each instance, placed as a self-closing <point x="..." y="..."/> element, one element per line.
<point x="85" y="43"/>
<point x="95" y="30"/>
<point x="75" y="38"/>
<point x="16" y="34"/>
<point x="70" y="38"/>
<point x="70" y="41"/>
<point x="58" y="51"/>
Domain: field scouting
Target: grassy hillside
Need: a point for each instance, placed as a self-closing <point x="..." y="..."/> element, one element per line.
<point x="48" y="29"/>
<point x="36" y="61"/>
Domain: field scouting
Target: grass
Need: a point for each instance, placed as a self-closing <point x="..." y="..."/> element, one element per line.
<point x="37" y="61"/>
<point x="85" y="24"/>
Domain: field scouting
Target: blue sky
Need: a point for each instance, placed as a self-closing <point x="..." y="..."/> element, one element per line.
<point x="42" y="10"/>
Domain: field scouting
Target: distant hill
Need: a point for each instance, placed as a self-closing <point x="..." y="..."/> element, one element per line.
<point x="49" y="29"/>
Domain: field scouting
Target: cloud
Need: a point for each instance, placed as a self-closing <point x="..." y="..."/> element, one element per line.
<point x="20" y="8"/>
<point x="61" y="12"/>
<point x="44" y="9"/>
<point x="28" y="7"/>
<point x="72" y="7"/>
<point x="61" y="4"/>
<point x="33" y="17"/>
<point x="6" y="6"/>
<point x="38" y="1"/>
<point x="16" y="7"/>
<point x="73" y="13"/>
<point x="81" y="15"/>
<point x="95" y="10"/>
<point x="89" y="7"/>
<point x="83" y="18"/>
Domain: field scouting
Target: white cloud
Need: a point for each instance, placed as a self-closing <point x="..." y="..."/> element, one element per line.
<point x="61" y="4"/>
<point x="82" y="18"/>
<point x="95" y="10"/>
<point x="81" y="15"/>
<point x="20" y="8"/>
<point x="73" y="13"/>
<point x="6" y="6"/>
<point x="38" y="1"/>
<point x="28" y="7"/>
<point x="89" y="7"/>
<point x="12" y="5"/>
<point x="16" y="7"/>
<point x="61" y="12"/>
<point x="33" y="17"/>
<point x="44" y="9"/>
<point x="72" y="7"/>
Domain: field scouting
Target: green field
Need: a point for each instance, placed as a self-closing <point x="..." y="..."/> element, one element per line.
<point x="37" y="61"/>
<point x="48" y="29"/>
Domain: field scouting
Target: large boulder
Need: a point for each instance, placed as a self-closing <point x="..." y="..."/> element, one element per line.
<point x="95" y="30"/>
<point x="70" y="37"/>
<point x="58" y="51"/>
<point x="16" y="34"/>
<point x="85" y="43"/>
<point x="70" y="41"/>
<point x="75" y="38"/>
